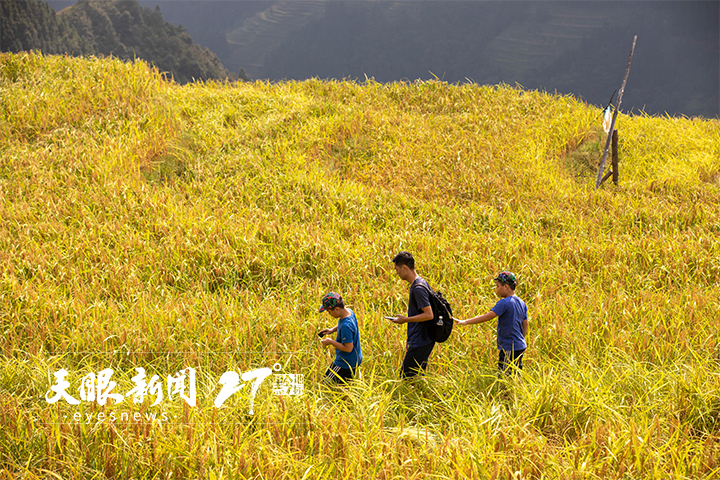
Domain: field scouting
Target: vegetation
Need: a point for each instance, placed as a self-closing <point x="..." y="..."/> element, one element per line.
<point x="150" y="224"/>
<point x="120" y="28"/>
<point x="31" y="24"/>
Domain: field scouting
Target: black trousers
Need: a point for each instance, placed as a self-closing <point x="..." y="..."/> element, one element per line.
<point x="509" y="361"/>
<point x="416" y="359"/>
<point x="335" y="374"/>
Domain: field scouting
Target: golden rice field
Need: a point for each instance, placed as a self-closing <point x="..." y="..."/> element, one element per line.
<point x="148" y="224"/>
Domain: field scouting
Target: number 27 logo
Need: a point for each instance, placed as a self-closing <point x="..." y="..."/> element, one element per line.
<point x="230" y="381"/>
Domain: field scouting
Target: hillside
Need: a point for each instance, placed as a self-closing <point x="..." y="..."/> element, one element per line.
<point x="119" y="28"/>
<point x="569" y="47"/>
<point x="256" y="37"/>
<point x="157" y="225"/>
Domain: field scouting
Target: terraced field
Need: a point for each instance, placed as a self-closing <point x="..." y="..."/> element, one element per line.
<point x="259" y="35"/>
<point x="165" y="227"/>
<point x="541" y="37"/>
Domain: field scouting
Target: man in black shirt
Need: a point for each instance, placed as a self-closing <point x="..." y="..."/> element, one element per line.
<point x="419" y="344"/>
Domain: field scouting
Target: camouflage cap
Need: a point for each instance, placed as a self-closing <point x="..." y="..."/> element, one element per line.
<point x="508" y="278"/>
<point x="330" y="300"/>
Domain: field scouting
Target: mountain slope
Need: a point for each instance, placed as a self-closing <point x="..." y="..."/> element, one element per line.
<point x="120" y="28"/>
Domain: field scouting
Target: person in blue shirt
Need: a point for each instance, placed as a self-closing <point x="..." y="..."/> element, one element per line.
<point x="512" y="325"/>
<point x="419" y="343"/>
<point x="348" y="354"/>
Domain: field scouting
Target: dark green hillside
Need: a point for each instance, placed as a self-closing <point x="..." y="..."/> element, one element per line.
<point x="33" y="25"/>
<point x="119" y="28"/>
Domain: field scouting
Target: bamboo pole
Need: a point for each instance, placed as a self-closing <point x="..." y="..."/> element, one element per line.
<point x="615" y="158"/>
<point x="615" y="114"/>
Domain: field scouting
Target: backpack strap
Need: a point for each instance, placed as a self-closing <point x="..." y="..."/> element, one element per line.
<point x="430" y="291"/>
<point x="425" y="285"/>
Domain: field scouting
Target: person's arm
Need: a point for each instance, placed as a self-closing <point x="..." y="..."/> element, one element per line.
<point x="427" y="314"/>
<point x="328" y="331"/>
<point x="479" y="319"/>
<point x="343" y="347"/>
<point x="525" y="325"/>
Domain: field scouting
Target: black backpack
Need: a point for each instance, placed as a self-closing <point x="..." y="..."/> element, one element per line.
<point x="441" y="325"/>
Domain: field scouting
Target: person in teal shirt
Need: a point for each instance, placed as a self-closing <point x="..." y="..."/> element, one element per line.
<point x="348" y="354"/>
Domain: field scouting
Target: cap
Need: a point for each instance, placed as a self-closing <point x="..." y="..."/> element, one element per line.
<point x="330" y="300"/>
<point x="507" y="278"/>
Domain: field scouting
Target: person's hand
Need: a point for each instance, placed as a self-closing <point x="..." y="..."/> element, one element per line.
<point x="400" y="320"/>
<point x="326" y="341"/>
<point x="324" y="331"/>
<point x="458" y="321"/>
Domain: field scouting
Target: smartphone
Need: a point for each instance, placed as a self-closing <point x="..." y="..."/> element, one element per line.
<point x="391" y="318"/>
